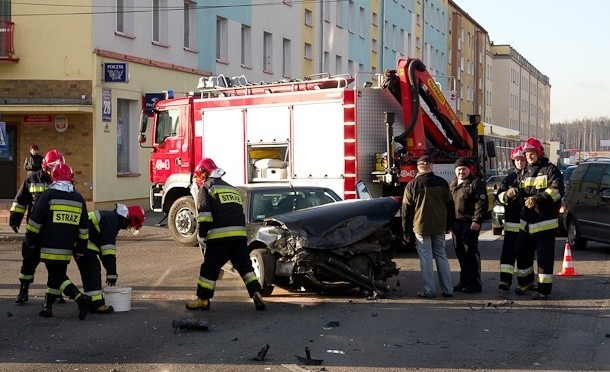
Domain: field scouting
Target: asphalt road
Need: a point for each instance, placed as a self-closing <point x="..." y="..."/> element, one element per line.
<point x="486" y="331"/>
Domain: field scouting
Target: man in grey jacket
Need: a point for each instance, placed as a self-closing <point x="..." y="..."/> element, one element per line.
<point x="428" y="211"/>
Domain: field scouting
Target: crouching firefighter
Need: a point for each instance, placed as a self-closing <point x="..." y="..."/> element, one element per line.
<point x="104" y="226"/>
<point x="58" y="225"/>
<point x="543" y="190"/>
<point x="222" y="225"/>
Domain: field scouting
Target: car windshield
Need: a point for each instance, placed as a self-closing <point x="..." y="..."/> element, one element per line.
<point x="266" y="203"/>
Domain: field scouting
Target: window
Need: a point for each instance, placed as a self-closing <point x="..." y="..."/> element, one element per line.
<point x="339" y="13"/>
<point x="326" y="11"/>
<point x="159" y="19"/>
<point x="374" y="46"/>
<point x="167" y="125"/>
<point x="127" y="155"/>
<point x="351" y="15"/>
<point x="124" y="20"/>
<point x="5" y="10"/>
<point x="308" y="18"/>
<point x="362" y="23"/>
<point x="267" y="52"/>
<point x="286" y="60"/>
<point x="326" y="61"/>
<point x="246" y="46"/>
<point x="308" y="51"/>
<point x="222" y="39"/>
<point x="190" y="25"/>
<point x="338" y="65"/>
<point x="374" y="19"/>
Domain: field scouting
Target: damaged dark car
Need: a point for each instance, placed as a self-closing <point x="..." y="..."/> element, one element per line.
<point x="334" y="247"/>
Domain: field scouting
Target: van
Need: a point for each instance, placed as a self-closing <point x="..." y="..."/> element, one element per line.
<point x="586" y="210"/>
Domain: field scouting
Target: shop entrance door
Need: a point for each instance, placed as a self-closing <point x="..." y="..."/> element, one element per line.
<point x="8" y="165"/>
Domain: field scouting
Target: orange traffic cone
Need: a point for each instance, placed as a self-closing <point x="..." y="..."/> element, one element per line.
<point x="567" y="269"/>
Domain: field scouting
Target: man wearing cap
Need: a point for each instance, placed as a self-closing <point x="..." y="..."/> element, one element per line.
<point x="428" y="211"/>
<point x="470" y="199"/>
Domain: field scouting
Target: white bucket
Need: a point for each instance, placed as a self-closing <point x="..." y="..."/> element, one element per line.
<point x="118" y="298"/>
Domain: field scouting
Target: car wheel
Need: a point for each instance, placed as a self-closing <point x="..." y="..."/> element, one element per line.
<point x="263" y="263"/>
<point x="182" y="221"/>
<point x="496" y="230"/>
<point x="574" y="238"/>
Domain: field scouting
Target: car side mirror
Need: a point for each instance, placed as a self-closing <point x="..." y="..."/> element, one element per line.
<point x="605" y="194"/>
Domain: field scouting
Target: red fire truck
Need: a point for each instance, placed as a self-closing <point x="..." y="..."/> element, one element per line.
<point x="331" y="131"/>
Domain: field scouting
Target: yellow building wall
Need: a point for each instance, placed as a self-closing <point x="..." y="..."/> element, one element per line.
<point x="108" y="186"/>
<point x="53" y="45"/>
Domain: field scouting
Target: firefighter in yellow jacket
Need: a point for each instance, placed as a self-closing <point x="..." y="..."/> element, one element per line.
<point x="542" y="191"/>
<point x="58" y="225"/>
<point x="222" y="225"/>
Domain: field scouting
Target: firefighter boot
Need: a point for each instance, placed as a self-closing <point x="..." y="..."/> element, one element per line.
<point x="22" y="297"/>
<point x="102" y="309"/>
<point x="199" y="304"/>
<point x="84" y="302"/>
<point x="258" y="301"/>
<point x="47" y="308"/>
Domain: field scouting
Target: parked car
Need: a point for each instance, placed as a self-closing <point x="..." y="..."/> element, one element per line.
<point x="567" y="173"/>
<point x="496" y="209"/>
<point x="332" y="247"/>
<point x="586" y="209"/>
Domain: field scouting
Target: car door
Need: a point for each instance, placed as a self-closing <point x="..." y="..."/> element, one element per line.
<point x="604" y="206"/>
<point x="587" y="205"/>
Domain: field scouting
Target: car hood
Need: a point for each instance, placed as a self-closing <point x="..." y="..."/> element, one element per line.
<point x="335" y="225"/>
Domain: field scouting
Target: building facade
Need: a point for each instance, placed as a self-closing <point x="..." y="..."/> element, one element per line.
<point x="80" y="89"/>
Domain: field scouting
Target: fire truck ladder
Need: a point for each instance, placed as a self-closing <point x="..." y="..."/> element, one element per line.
<point x="221" y="86"/>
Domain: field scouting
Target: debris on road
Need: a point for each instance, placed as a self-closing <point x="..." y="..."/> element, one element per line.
<point x="190" y="324"/>
<point x="261" y="354"/>
<point x="307" y="360"/>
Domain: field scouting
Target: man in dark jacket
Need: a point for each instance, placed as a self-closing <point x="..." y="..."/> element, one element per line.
<point x="34" y="160"/>
<point x="543" y="189"/>
<point x="427" y="210"/>
<point x="222" y="226"/>
<point x="470" y="199"/>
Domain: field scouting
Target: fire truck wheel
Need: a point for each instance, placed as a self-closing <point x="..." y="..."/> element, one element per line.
<point x="263" y="263"/>
<point x="182" y="221"/>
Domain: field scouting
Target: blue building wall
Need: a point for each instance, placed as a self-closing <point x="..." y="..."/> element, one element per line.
<point x="395" y="14"/>
<point x="360" y="47"/>
<point x="436" y="34"/>
<point x="209" y="10"/>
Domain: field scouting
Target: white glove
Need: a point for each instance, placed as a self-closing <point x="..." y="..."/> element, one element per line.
<point x="201" y="241"/>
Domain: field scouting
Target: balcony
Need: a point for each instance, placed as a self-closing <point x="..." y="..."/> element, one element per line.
<point x="7" y="49"/>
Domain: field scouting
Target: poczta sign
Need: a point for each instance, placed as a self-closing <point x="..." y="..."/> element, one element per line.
<point x="115" y="72"/>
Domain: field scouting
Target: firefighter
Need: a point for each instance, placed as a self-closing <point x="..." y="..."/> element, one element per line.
<point x="222" y="232"/>
<point x="543" y="189"/>
<point x="104" y="227"/>
<point x="59" y="226"/>
<point x="470" y="199"/>
<point x="509" y="194"/>
<point x="32" y="187"/>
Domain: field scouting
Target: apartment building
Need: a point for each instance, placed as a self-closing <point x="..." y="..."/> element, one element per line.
<point x="75" y="78"/>
<point x="521" y="95"/>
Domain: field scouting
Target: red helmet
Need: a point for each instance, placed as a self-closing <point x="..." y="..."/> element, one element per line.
<point x="135" y="217"/>
<point x="533" y="144"/>
<point x="205" y="165"/>
<point x="51" y="159"/>
<point x="517" y="153"/>
<point x="62" y="172"/>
